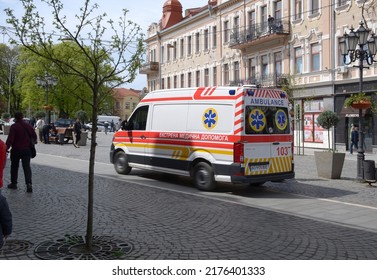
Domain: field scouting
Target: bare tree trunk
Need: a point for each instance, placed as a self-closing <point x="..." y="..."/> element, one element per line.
<point x="93" y="144"/>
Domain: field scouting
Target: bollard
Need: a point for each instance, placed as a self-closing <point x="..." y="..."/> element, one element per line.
<point x="369" y="170"/>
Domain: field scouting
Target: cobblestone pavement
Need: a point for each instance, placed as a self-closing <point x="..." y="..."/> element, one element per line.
<point x="164" y="221"/>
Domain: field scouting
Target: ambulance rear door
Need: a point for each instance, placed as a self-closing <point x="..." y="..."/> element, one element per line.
<point x="268" y="141"/>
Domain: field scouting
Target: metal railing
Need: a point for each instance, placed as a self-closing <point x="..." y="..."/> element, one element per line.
<point x="149" y="67"/>
<point x="258" y="31"/>
<point x="270" y="80"/>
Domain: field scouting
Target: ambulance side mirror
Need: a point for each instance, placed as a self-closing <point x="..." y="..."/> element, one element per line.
<point x="127" y="126"/>
<point x="124" y="125"/>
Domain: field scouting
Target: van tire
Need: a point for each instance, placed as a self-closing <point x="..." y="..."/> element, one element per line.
<point x="203" y="177"/>
<point x="257" y="185"/>
<point x="121" y="163"/>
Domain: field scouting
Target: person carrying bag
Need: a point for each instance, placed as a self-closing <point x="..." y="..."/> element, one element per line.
<point x="20" y="138"/>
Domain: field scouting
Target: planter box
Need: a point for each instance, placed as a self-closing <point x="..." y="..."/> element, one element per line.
<point x="329" y="165"/>
<point x="361" y="104"/>
<point x="84" y="137"/>
<point x="6" y="129"/>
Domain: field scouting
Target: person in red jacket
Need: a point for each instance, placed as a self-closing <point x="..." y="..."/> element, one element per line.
<point x="3" y="160"/>
<point x="5" y="214"/>
<point x="19" y="138"/>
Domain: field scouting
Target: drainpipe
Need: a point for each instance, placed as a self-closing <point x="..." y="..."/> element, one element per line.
<point x="333" y="42"/>
<point x="160" y="52"/>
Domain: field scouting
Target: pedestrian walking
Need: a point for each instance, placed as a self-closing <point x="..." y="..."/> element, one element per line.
<point x="106" y="125"/>
<point x="5" y="214"/>
<point x="354" y="139"/>
<point x="112" y="126"/>
<point x="19" y="142"/>
<point x="32" y="121"/>
<point x="77" y="132"/>
<point x="39" y="128"/>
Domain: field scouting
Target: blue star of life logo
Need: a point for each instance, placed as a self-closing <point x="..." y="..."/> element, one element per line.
<point x="257" y="120"/>
<point x="210" y="118"/>
<point x="281" y="119"/>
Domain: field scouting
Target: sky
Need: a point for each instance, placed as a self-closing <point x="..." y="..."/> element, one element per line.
<point x="142" y="12"/>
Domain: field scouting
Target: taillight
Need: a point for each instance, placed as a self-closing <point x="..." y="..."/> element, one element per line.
<point x="238" y="153"/>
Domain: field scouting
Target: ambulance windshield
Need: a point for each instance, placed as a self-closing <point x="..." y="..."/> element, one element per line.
<point x="266" y="120"/>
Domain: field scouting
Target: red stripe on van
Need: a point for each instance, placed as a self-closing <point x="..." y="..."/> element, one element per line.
<point x="237" y="122"/>
<point x="187" y="143"/>
<point x="238" y="131"/>
<point x="238" y="113"/>
<point x="185" y="98"/>
<point x="209" y="94"/>
<point x="209" y="91"/>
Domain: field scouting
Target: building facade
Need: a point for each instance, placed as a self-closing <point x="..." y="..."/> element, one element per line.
<point x="273" y="43"/>
<point x="125" y="101"/>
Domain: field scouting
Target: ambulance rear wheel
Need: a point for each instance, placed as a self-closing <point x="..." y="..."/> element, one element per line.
<point x="203" y="177"/>
<point x="257" y="185"/>
<point x="121" y="163"/>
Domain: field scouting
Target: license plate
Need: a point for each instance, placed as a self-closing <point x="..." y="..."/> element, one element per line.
<point x="261" y="166"/>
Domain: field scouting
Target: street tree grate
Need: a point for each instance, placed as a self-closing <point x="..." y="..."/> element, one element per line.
<point x="72" y="247"/>
<point x="14" y="248"/>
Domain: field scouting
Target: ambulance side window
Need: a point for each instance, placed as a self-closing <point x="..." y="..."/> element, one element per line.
<point x="138" y="120"/>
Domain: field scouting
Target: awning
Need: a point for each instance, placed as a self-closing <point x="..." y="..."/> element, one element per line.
<point x="349" y="112"/>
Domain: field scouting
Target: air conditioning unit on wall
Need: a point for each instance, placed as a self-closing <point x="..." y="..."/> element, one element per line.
<point x="343" y="70"/>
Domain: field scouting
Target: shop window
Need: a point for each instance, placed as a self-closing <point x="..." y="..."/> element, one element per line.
<point x="312" y="131"/>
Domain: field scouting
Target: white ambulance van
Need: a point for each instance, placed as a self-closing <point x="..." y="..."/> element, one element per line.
<point x="213" y="134"/>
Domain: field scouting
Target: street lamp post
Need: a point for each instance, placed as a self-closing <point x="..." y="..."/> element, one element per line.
<point x="356" y="46"/>
<point x="47" y="82"/>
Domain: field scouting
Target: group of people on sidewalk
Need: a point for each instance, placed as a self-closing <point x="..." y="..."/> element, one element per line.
<point x="47" y="131"/>
<point x="19" y="142"/>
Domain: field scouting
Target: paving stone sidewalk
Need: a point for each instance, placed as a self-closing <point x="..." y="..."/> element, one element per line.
<point x="180" y="222"/>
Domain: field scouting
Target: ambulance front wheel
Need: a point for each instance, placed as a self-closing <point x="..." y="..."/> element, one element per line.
<point x="203" y="177"/>
<point x="121" y="163"/>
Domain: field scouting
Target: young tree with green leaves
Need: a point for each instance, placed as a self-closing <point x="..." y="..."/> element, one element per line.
<point x="9" y="61"/>
<point x="110" y="54"/>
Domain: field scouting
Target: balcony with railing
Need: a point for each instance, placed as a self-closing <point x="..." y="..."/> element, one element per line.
<point x="149" y="67"/>
<point x="271" y="80"/>
<point x="264" y="31"/>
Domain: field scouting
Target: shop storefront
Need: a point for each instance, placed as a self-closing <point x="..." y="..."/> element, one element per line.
<point x="349" y="117"/>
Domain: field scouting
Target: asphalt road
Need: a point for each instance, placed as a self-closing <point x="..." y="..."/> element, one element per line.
<point x="163" y="217"/>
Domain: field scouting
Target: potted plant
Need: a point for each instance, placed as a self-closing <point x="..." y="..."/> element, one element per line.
<point x="360" y="101"/>
<point x="329" y="163"/>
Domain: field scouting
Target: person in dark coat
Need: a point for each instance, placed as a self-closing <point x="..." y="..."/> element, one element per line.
<point x="112" y="126"/>
<point x="46" y="133"/>
<point x="5" y="220"/>
<point x="106" y="125"/>
<point x="271" y="23"/>
<point x="19" y="139"/>
<point x="77" y="131"/>
<point x="354" y="139"/>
